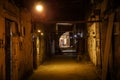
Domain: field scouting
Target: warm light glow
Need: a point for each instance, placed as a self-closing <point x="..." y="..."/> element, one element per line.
<point x="39" y="8"/>
<point x="42" y="34"/>
<point x="39" y="31"/>
<point x="64" y="41"/>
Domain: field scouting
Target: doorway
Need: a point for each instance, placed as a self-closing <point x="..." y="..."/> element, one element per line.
<point x="8" y="57"/>
<point x="68" y="42"/>
<point x="34" y="54"/>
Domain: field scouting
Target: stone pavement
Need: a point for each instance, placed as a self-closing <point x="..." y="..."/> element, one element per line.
<point x="65" y="68"/>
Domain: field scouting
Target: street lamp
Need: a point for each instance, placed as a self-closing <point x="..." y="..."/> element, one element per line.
<point x="39" y="7"/>
<point x="39" y="31"/>
<point x="41" y="34"/>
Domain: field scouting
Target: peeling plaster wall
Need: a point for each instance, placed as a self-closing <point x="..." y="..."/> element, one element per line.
<point x="92" y="43"/>
<point x="94" y="35"/>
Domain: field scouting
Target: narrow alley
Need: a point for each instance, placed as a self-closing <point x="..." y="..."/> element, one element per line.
<point x="59" y="40"/>
<point x="63" y="67"/>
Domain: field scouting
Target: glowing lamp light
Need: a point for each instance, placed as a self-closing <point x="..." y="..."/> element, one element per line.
<point x="42" y="34"/>
<point x="39" y="8"/>
<point x="39" y="31"/>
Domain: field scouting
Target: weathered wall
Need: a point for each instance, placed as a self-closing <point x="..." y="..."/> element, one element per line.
<point x="7" y="11"/>
<point x="2" y="55"/>
<point x="116" y="45"/>
<point x="94" y="33"/>
<point x="26" y="56"/>
<point x="111" y="71"/>
<point x="92" y="43"/>
<point x="42" y="50"/>
<point x="40" y="43"/>
<point x="21" y="42"/>
<point x="93" y="30"/>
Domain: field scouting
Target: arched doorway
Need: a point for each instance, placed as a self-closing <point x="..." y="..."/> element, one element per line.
<point x="68" y="42"/>
<point x="64" y="40"/>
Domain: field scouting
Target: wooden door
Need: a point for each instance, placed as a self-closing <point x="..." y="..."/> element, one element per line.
<point x="7" y="50"/>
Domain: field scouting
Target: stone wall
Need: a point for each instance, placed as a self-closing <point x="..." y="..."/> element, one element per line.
<point x="26" y="56"/>
<point x="20" y="34"/>
<point x="7" y="11"/>
<point x="92" y="43"/>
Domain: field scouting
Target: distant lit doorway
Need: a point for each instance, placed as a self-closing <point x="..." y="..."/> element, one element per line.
<point x="67" y="42"/>
<point x="64" y="41"/>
